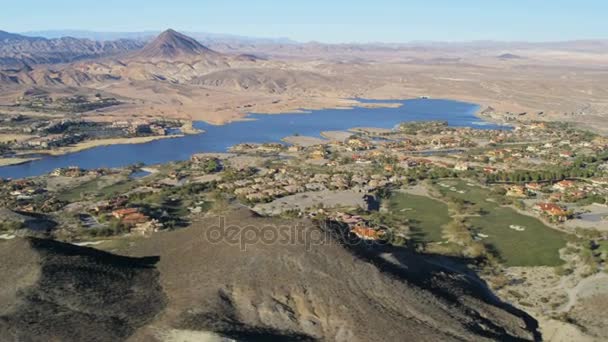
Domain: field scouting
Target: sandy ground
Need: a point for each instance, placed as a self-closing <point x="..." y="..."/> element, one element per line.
<point x="336" y="135"/>
<point x="174" y="335"/>
<point x="85" y="145"/>
<point x="558" y="331"/>
<point x="15" y="161"/>
<point x="597" y="284"/>
<point x="347" y="198"/>
<point x="371" y="130"/>
<point x="207" y="178"/>
<point x="547" y="294"/>
<point x="303" y="140"/>
<point x="13" y="137"/>
<point x="244" y="161"/>
<point x="597" y="218"/>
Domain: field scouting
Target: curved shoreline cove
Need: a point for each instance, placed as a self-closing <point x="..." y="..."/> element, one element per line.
<point x="259" y="128"/>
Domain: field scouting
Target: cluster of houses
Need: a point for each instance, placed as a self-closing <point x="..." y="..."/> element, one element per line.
<point x="24" y="189"/>
<point x="565" y="190"/>
<point x="78" y="103"/>
<point x="50" y="141"/>
<point x="258" y="148"/>
<point x="138" y="127"/>
<point x="23" y="194"/>
<point x="275" y="183"/>
<point x="75" y="172"/>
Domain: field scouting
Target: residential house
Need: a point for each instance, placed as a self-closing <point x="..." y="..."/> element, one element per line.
<point x="490" y="170"/>
<point x="553" y="211"/>
<point x="534" y="187"/>
<point x="122" y="213"/>
<point x="462" y="166"/>
<point x="564" y="185"/>
<point x="366" y="233"/>
<point x="518" y="191"/>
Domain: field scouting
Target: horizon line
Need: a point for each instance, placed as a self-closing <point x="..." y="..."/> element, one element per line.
<point x="31" y="33"/>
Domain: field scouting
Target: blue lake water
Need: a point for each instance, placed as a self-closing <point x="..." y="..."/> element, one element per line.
<point x="259" y="128"/>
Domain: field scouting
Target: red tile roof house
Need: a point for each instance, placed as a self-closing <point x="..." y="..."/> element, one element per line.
<point x="517" y="191"/>
<point x="534" y="186"/>
<point x="122" y="213"/>
<point x="563" y="185"/>
<point x="552" y="210"/>
<point x="490" y="170"/>
<point x="366" y="233"/>
<point x="135" y="219"/>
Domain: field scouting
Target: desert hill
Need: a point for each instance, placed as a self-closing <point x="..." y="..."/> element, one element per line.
<point x="52" y="291"/>
<point x="171" y="45"/>
<point x="284" y="291"/>
<point x="175" y="58"/>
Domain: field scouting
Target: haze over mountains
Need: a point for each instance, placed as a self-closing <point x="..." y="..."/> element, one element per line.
<point x="172" y="57"/>
<point x="170" y="74"/>
<point x="203" y="37"/>
<point x="62" y="46"/>
<point x="17" y="51"/>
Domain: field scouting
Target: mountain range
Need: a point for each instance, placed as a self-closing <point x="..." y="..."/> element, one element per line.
<point x="171" y="57"/>
<point x="203" y="37"/>
<point x="18" y="51"/>
<point x="171" y="74"/>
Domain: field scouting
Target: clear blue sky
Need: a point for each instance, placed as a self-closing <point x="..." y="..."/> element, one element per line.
<point x="323" y="20"/>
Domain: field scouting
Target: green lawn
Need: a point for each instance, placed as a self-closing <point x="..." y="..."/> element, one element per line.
<point x="537" y="245"/>
<point x="426" y="216"/>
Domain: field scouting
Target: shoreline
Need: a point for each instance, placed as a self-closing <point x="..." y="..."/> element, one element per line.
<point x="340" y="104"/>
<point x="188" y="128"/>
<point x="15" y="161"/>
<point x="86" y="145"/>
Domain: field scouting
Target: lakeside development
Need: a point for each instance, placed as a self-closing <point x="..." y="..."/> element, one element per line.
<point x="491" y="201"/>
<point x="345" y="218"/>
<point x="257" y="129"/>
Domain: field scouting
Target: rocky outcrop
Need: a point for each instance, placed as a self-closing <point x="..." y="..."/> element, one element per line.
<point x="52" y="291"/>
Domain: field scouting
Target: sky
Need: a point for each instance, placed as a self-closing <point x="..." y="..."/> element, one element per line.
<point x="331" y="21"/>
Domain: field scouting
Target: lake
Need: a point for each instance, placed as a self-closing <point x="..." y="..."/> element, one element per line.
<point x="257" y="129"/>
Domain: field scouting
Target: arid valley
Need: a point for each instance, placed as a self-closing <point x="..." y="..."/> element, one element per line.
<point x="181" y="186"/>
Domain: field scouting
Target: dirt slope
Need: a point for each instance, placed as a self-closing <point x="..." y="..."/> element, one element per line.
<point x="52" y="291"/>
<point x="304" y="287"/>
<point x="288" y="291"/>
